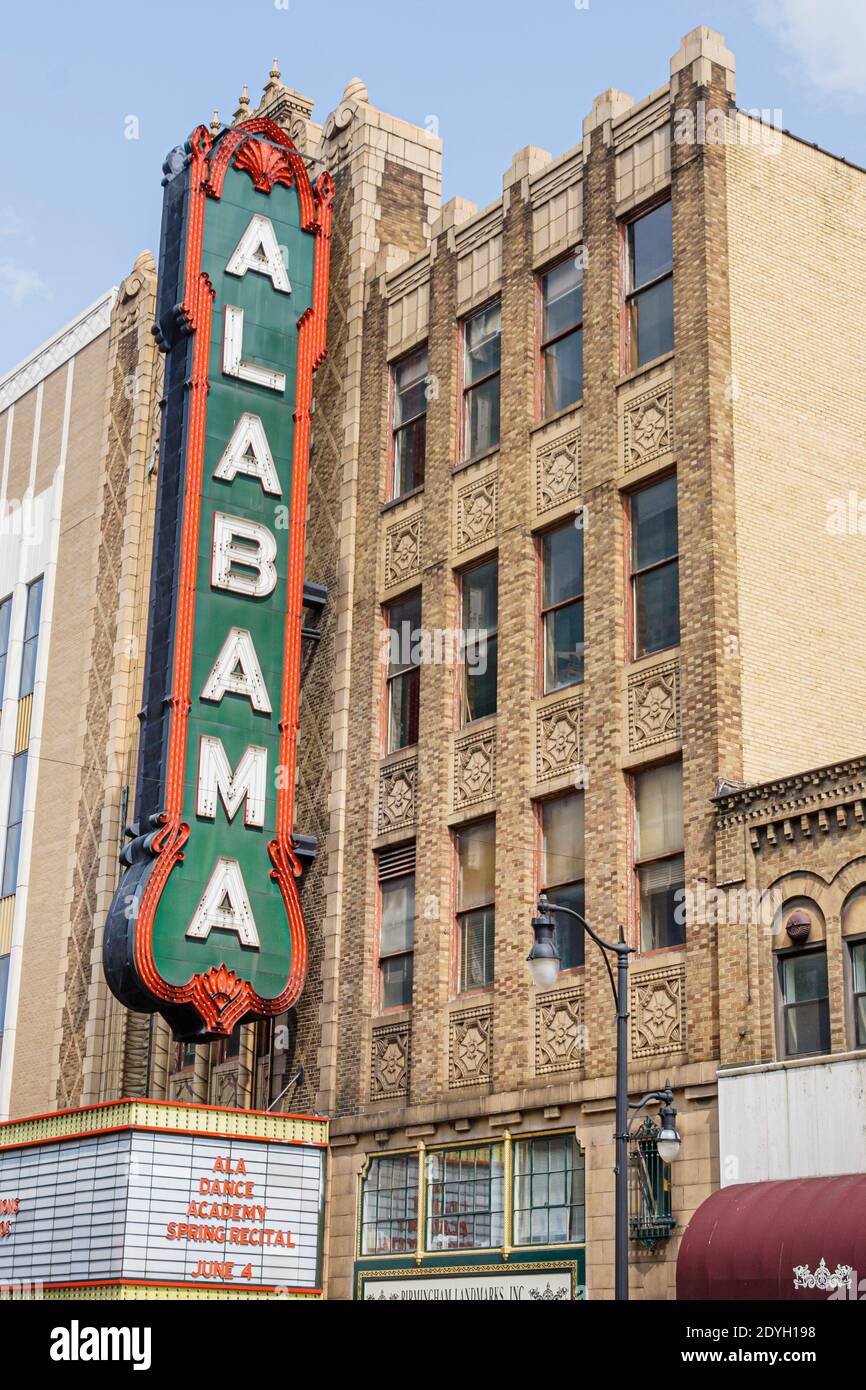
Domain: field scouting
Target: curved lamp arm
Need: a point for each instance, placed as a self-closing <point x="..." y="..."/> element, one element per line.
<point x="618" y="948"/>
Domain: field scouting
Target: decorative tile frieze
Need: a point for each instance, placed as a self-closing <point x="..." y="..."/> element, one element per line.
<point x="559" y="1031"/>
<point x="648" y="426"/>
<point x="403" y="550"/>
<point x="658" y="1012"/>
<point x="470" y="1046"/>
<point x="557" y="471"/>
<point x="389" y="1062"/>
<point x="474" y="768"/>
<point x="477" y="512"/>
<point x="397" y="783"/>
<point x="559" y="738"/>
<point x="654" y="705"/>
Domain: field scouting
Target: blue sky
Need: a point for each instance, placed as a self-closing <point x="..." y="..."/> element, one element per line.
<point x="79" y="200"/>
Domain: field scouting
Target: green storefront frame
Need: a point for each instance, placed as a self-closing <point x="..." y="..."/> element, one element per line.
<point x="532" y="1273"/>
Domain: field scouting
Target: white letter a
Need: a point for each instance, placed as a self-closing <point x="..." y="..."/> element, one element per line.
<point x="225" y="904"/>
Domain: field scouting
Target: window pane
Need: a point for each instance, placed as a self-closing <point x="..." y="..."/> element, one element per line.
<point x="481" y="354"/>
<point x="34" y="609"/>
<point x="860" y="1019"/>
<point x="654" y="524"/>
<point x="410" y="444"/>
<point x="476" y="855"/>
<point x="805" y="977"/>
<point x="563" y="372"/>
<point x="476" y="949"/>
<point x="4" y="985"/>
<point x="465" y="1205"/>
<point x="562" y="298"/>
<point x="652" y="322"/>
<point x="409" y="387"/>
<point x="858" y="961"/>
<point x="659" y="810"/>
<point x="481" y="670"/>
<point x="657" y="609"/>
<point x="650" y="241"/>
<point x="398" y="914"/>
<point x="397" y="982"/>
<point x="389" y="1206"/>
<point x="480" y="597"/>
<point x="569" y="934"/>
<point x="5" y="616"/>
<point x="403" y="620"/>
<point x="562" y="554"/>
<point x="548" y="1191"/>
<point x="662" y="920"/>
<point x="10" y="862"/>
<point x="404" y="696"/>
<point x="481" y="418"/>
<point x="564" y="646"/>
<point x="562" y="839"/>
<point x="807" y="1028"/>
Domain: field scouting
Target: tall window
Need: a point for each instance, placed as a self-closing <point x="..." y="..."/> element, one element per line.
<point x="396" y="925"/>
<point x="389" y="1205"/>
<point x="562" y="870"/>
<point x="562" y="606"/>
<point x="476" y="857"/>
<point x="562" y="335"/>
<point x="655" y="576"/>
<point x="658" y="797"/>
<point x="858" y="981"/>
<point x="548" y="1191"/>
<point x="481" y="360"/>
<point x="480" y="603"/>
<point x="184" y="1056"/>
<point x="650" y="289"/>
<point x="31" y="638"/>
<point x="410" y="422"/>
<point x="402" y="621"/>
<point x="5" y="618"/>
<point x="805" y="1002"/>
<point x="466" y="1198"/>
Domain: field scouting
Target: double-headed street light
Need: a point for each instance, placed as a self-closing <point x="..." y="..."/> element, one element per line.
<point x="544" y="964"/>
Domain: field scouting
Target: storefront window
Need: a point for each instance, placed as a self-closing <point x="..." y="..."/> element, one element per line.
<point x="466" y="1198"/>
<point x="548" y="1191"/>
<point x="389" y="1206"/>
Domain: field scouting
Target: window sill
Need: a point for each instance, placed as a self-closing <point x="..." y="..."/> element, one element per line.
<point x="476" y="458"/>
<point x="558" y="415"/>
<point x="635" y="372"/>
<point x="404" y="497"/>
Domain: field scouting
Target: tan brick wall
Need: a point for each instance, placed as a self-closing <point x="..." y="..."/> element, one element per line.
<point x="795" y="233"/>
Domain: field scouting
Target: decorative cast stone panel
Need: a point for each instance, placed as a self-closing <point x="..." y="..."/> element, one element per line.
<point x="648" y="426"/>
<point x="181" y="1087"/>
<point x="470" y="1043"/>
<point x="558" y="471"/>
<point x="477" y="512"/>
<point x="559" y="1031"/>
<point x="474" y="769"/>
<point x="389" y="1063"/>
<point x="403" y="550"/>
<point x="397" y="795"/>
<point x="658" y="1012"/>
<point x="225" y="1086"/>
<point x="559" y="738"/>
<point x="654" y="706"/>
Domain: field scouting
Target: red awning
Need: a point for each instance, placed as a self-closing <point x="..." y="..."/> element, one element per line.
<point x="746" y="1241"/>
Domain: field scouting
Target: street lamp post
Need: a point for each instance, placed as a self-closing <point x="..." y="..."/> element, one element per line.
<point x="544" y="962"/>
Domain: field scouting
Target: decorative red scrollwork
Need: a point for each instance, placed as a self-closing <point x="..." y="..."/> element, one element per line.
<point x="221" y="998"/>
<point x="266" y="165"/>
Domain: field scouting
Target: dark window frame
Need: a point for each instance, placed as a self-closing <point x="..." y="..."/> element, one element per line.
<point x="632" y="293"/>
<point x="464" y="1184"/>
<point x="545" y="610"/>
<point x="855" y="943"/>
<point x="409" y="1188"/>
<point x="782" y="1008"/>
<point x="462" y="914"/>
<point x="571" y="1169"/>
<point x="646" y="861"/>
<point x="545" y="343"/>
<point x="466" y="389"/>
<point x="634" y="652"/>
<point x="394" y="491"/>
<point x="383" y="879"/>
<point x="551" y="886"/>
<point x="491" y="637"/>
<point x="410" y="672"/>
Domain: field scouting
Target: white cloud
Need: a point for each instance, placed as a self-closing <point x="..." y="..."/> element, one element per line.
<point x="827" y="38"/>
<point x="18" y="284"/>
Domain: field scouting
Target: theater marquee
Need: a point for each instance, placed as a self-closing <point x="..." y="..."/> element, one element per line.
<point x="206" y="924"/>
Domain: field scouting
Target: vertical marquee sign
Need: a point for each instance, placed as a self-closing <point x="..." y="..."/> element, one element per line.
<point x="206" y="923"/>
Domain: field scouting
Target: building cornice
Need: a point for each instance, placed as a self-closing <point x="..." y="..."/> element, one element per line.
<point x="46" y="359"/>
